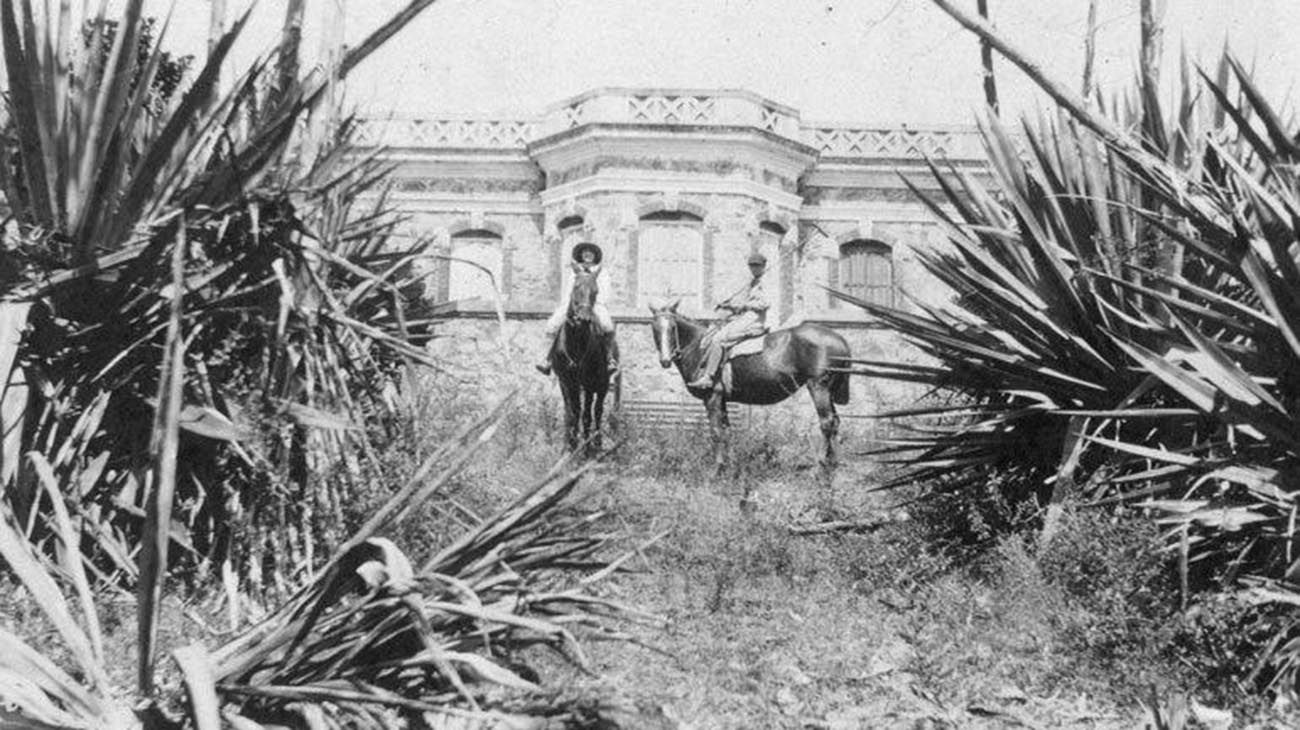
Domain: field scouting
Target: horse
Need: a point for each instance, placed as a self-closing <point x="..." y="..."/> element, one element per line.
<point x="579" y="358"/>
<point x="805" y="354"/>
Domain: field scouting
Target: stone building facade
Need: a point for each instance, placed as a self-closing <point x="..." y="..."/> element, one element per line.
<point x="677" y="187"/>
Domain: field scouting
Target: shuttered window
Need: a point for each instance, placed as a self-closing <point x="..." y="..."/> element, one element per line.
<point x="867" y="271"/>
<point x="670" y="260"/>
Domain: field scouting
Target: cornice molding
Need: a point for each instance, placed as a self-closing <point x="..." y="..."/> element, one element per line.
<point x="876" y="213"/>
<point x="586" y="143"/>
<point x="637" y="181"/>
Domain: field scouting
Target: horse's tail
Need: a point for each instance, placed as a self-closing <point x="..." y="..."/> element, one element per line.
<point x="839" y="382"/>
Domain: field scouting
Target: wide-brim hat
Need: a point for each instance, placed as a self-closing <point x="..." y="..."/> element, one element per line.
<point x="757" y="259"/>
<point x="587" y="246"/>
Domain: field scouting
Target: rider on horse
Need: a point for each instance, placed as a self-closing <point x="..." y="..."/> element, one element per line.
<point x="748" y="316"/>
<point x="586" y="259"/>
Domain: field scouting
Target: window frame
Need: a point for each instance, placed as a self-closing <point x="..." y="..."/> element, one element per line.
<point x="867" y="249"/>
<point x="668" y="220"/>
<point x="470" y="237"/>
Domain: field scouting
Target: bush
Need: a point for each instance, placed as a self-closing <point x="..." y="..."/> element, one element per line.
<point x="1120" y="589"/>
<point x="1222" y="639"/>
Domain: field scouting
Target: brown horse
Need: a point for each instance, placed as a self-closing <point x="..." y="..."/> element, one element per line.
<point x="580" y="360"/>
<point x="791" y="358"/>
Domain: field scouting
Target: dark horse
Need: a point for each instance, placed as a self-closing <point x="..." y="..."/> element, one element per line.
<point x="580" y="360"/>
<point x="791" y="358"/>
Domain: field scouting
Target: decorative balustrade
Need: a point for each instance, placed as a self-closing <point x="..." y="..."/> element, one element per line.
<point x="674" y="108"/>
<point x="671" y="107"/>
<point x="883" y="142"/>
<point x="497" y="134"/>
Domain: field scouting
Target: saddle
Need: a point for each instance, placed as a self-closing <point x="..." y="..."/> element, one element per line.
<point x="747" y="346"/>
<point x="751" y="345"/>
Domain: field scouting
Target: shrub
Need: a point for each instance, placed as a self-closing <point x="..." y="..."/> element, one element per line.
<point x="1120" y="587"/>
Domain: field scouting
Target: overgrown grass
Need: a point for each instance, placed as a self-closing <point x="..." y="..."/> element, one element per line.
<point x="893" y="621"/>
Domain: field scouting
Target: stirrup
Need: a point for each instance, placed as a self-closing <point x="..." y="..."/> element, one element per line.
<point x="702" y="382"/>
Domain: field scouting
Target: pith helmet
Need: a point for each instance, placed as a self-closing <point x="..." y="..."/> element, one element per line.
<point x="757" y="259"/>
<point x="587" y="246"/>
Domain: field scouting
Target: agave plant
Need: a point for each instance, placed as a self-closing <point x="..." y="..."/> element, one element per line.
<point x="1230" y="349"/>
<point x="1125" y="318"/>
<point x="194" y="332"/>
<point x="1042" y="271"/>
<point x="295" y="303"/>
<point x="370" y="639"/>
<point x="1223" y="339"/>
<point x="1062" y="275"/>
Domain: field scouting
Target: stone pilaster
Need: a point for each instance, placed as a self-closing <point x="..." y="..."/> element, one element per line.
<point x="785" y="271"/>
<point x="442" y="273"/>
<point x="633" y="256"/>
<point x="707" y="262"/>
<point x="832" y="281"/>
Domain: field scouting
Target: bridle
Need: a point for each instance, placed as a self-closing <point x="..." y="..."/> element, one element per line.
<point x="581" y="312"/>
<point x="675" y="349"/>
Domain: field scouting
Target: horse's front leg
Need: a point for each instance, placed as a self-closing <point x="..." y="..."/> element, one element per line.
<point x="572" y="404"/>
<point x="717" y="410"/>
<point x="587" y="403"/>
<point x="598" y="416"/>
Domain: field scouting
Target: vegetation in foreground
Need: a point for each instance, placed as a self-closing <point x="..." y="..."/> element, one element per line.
<point x="207" y="332"/>
<point x="1126" y="307"/>
<point x="891" y="619"/>
<point x="1124" y="333"/>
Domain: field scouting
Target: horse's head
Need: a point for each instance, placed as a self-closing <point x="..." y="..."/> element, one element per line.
<point x="583" y="297"/>
<point x="664" y="327"/>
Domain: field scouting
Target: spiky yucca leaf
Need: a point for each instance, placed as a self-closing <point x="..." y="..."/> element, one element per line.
<point x="371" y="632"/>
<point x="1219" y="333"/>
<point x="1028" y="336"/>
<point x="1245" y="377"/>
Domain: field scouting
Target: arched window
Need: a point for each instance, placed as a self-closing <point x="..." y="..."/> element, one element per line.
<point x="867" y="271"/>
<point x="466" y="281"/>
<point x="670" y="258"/>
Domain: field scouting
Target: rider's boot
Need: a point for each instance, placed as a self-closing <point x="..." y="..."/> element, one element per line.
<point x="708" y="368"/>
<point x="611" y="347"/>
<point x="705" y="381"/>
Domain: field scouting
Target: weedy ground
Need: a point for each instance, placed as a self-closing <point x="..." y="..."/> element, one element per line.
<point x="771" y="624"/>
<point x="773" y="620"/>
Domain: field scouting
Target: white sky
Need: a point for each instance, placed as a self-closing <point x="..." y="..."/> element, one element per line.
<point x="893" y="61"/>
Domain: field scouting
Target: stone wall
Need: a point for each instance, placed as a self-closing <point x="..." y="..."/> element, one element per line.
<point x="470" y="350"/>
<point x="746" y="172"/>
